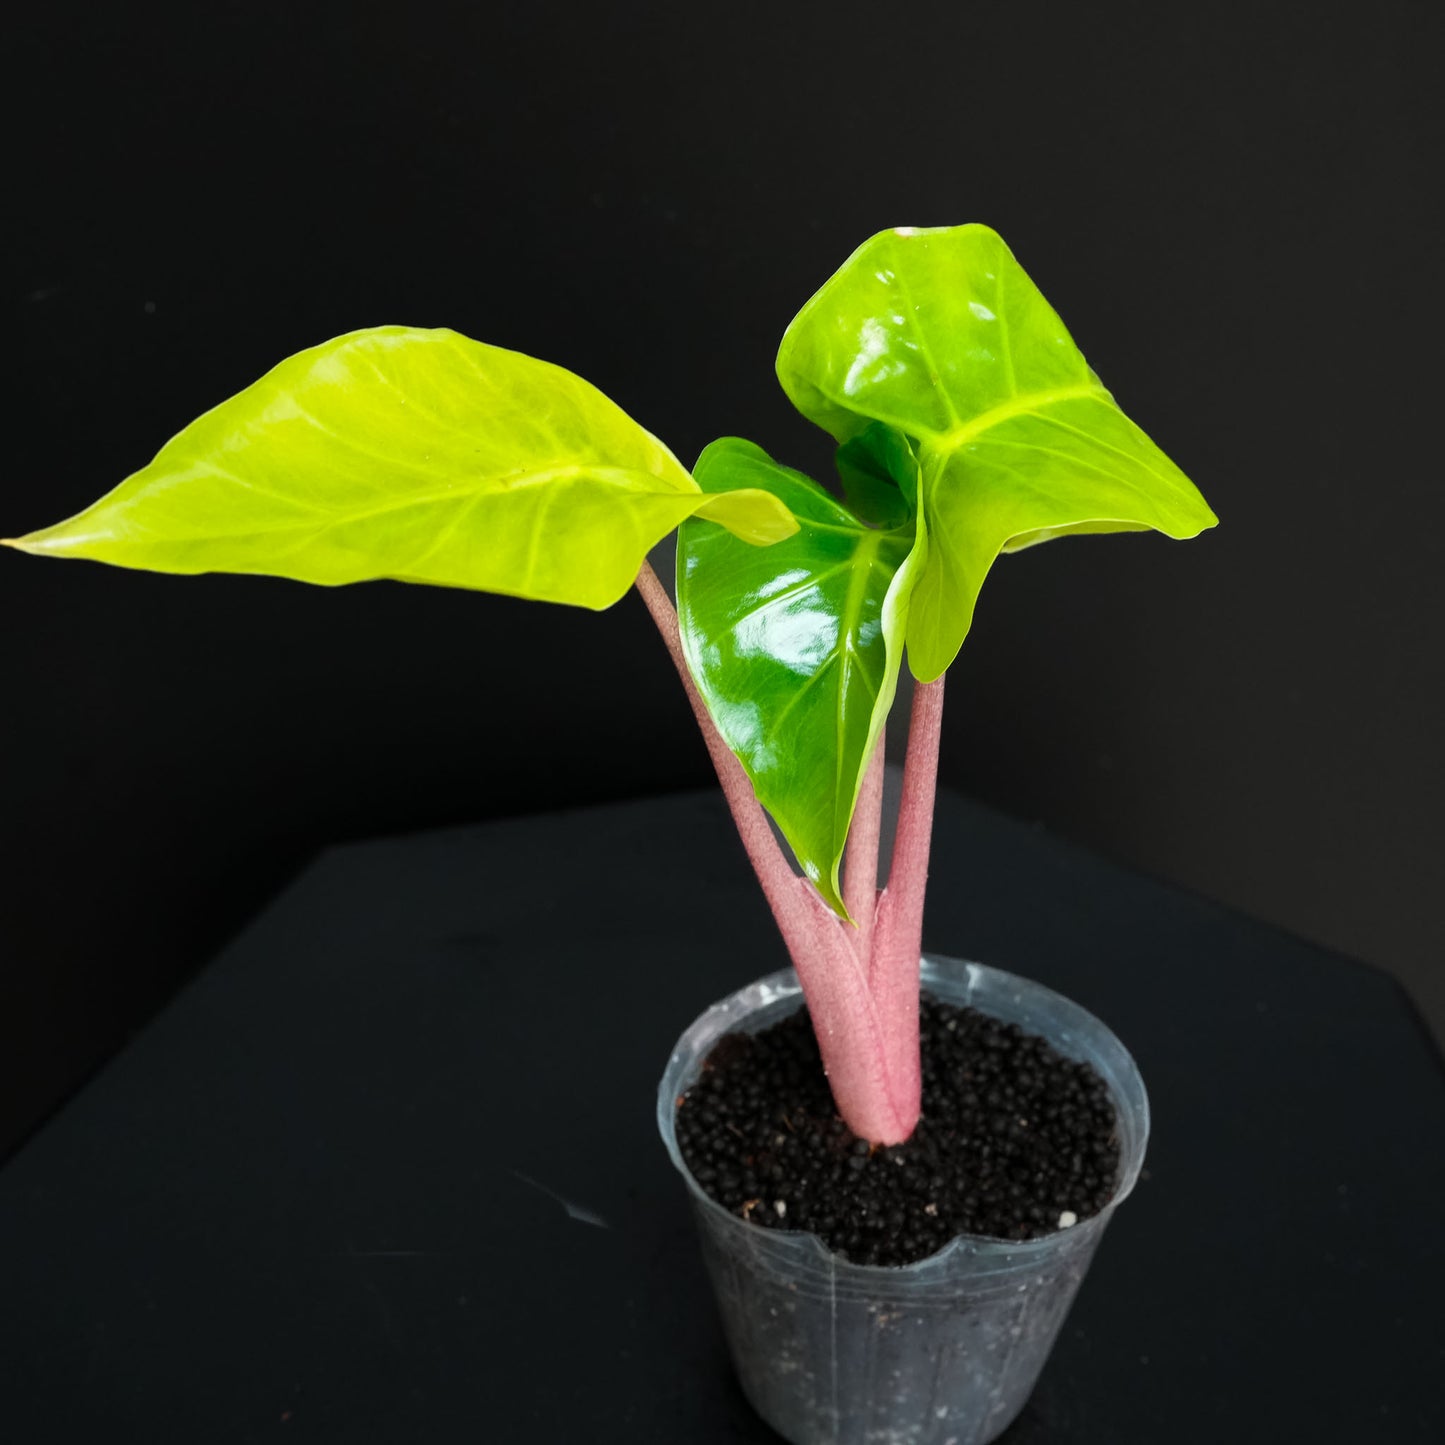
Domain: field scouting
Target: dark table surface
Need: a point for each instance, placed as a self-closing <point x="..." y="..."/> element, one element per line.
<point x="324" y="1197"/>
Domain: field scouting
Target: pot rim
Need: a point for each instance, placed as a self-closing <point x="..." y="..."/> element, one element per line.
<point x="778" y="994"/>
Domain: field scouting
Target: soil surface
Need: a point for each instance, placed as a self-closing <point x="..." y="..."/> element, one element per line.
<point x="1015" y="1140"/>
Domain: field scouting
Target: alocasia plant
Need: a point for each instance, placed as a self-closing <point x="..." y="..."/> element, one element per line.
<point x="968" y="425"/>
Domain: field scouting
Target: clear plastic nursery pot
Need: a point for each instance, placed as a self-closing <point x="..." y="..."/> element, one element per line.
<point x="942" y="1352"/>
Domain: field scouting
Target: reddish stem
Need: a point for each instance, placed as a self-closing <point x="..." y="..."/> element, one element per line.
<point x="869" y="1068"/>
<point x="898" y="941"/>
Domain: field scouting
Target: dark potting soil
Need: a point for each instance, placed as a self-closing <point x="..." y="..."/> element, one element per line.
<point x="1015" y="1140"/>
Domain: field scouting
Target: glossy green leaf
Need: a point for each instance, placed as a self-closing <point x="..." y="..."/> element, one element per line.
<point x="417" y="455"/>
<point x="796" y="647"/>
<point x="941" y="335"/>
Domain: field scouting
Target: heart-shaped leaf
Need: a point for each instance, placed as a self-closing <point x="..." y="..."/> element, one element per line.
<point x="941" y="335"/>
<point x="417" y="455"/>
<point x="796" y="647"/>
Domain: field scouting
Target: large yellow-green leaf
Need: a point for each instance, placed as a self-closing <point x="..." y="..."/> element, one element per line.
<point x="796" y="647"/>
<point x="941" y="334"/>
<point x="418" y="455"/>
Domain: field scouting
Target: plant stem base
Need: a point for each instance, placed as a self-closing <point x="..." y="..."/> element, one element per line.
<point x="941" y="1352"/>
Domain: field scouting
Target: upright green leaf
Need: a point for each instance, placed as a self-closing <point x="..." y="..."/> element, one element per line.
<point x="418" y="455"/>
<point x="941" y="335"/>
<point x="796" y="647"/>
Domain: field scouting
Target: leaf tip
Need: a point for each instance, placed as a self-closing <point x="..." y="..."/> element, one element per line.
<point x="826" y="885"/>
<point x="1203" y="519"/>
<point x="36" y="543"/>
<point x="831" y="889"/>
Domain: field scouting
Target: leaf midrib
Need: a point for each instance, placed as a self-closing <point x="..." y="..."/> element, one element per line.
<point x="464" y="491"/>
<point x="1034" y="401"/>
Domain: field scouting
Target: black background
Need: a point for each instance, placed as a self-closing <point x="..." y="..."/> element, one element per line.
<point x="1232" y="211"/>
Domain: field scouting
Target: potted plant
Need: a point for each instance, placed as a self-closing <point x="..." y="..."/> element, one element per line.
<point x="890" y="1289"/>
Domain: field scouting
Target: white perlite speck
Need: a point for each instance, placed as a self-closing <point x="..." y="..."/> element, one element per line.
<point x="1067" y="1218"/>
<point x="781" y="1205"/>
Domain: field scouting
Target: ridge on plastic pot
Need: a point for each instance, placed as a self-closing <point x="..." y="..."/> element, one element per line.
<point x="941" y="1352"/>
